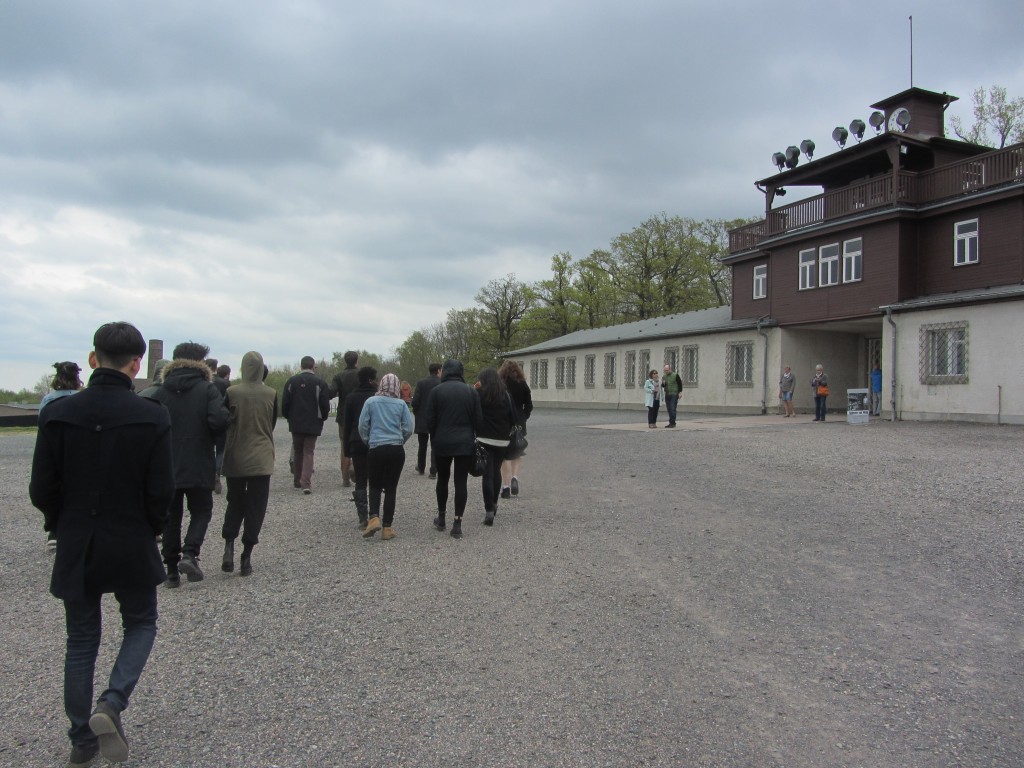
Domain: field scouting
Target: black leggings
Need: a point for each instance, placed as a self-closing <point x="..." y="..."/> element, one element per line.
<point x="492" y="476"/>
<point x="444" y="472"/>
<point x="384" y="470"/>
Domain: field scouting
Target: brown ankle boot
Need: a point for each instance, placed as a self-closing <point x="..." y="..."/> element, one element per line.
<point x="387" y="533"/>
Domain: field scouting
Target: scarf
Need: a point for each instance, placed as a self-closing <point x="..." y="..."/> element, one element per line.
<point x="389" y="386"/>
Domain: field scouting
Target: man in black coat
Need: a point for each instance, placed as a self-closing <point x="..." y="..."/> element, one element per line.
<point x="419" y="404"/>
<point x="355" y="448"/>
<point x="343" y="384"/>
<point x="102" y="475"/>
<point x="198" y="418"/>
<point x="306" y="404"/>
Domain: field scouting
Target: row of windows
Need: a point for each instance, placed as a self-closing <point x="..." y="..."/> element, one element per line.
<point x="819" y="268"/>
<point x="637" y="365"/>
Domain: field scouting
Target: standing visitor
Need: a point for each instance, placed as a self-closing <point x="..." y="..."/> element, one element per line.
<point x="103" y="476"/>
<point x="820" y="386"/>
<point x="356" y="450"/>
<point x="651" y="398"/>
<point x="672" y="386"/>
<point x="787" y="385"/>
<point x="498" y="417"/>
<point x="198" y="417"/>
<point x="453" y="418"/>
<point x="512" y="376"/>
<point x="248" y="460"/>
<point x="384" y="425"/>
<point x="876" y="390"/>
<point x="419" y="404"/>
<point x="342" y="385"/>
<point x="306" y="405"/>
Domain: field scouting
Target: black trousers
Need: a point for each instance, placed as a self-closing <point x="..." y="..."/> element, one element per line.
<point x="247" y="505"/>
<point x="200" y="511"/>
<point x="360" y="462"/>
<point x="421" y="453"/>
<point x="385" y="468"/>
<point x="444" y="473"/>
<point x="491" y="480"/>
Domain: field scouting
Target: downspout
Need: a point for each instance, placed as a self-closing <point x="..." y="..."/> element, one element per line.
<point x="892" y="402"/>
<point x="764" y="368"/>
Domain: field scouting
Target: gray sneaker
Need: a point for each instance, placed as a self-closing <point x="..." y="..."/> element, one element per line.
<point x="83" y="755"/>
<point x="106" y="724"/>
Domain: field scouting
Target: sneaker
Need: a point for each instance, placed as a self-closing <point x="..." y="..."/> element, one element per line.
<point x="227" y="563"/>
<point x="506" y="493"/>
<point x="190" y="567"/>
<point x="456" y="529"/>
<point x="362" y="525"/>
<point x="83" y="755"/>
<point x="51" y="542"/>
<point x="372" y="526"/>
<point x="173" y="579"/>
<point x="245" y="567"/>
<point x="515" y="486"/>
<point x="439" y="523"/>
<point x="387" y="533"/>
<point x="489" y="518"/>
<point x="106" y="724"/>
<point x="432" y="475"/>
<point x="307" y="491"/>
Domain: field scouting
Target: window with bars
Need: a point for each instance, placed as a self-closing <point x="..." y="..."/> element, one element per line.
<point x="559" y="373"/>
<point x="629" y="368"/>
<point x="761" y="281"/>
<point x="808" y="262"/>
<point x="534" y="373"/>
<point x="543" y="380"/>
<point x="688" y="368"/>
<point x="852" y="250"/>
<point x="589" y="370"/>
<point x="739" y="364"/>
<point x="609" y="369"/>
<point x="643" y="366"/>
<point x="944" y="353"/>
<point x="570" y="373"/>
<point x="965" y="243"/>
<point x="672" y="358"/>
<point x="828" y="264"/>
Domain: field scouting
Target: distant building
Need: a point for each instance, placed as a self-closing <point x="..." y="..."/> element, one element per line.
<point x="911" y="256"/>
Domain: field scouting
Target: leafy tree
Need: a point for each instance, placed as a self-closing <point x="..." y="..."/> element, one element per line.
<point x="505" y="302"/>
<point x="992" y="111"/>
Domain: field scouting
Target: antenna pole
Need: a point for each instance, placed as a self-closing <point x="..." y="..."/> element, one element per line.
<point x="911" y="51"/>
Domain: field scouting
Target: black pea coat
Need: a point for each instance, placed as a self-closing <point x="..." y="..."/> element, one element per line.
<point x="103" y="477"/>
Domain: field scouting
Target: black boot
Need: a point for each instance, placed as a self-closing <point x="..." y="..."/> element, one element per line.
<point x="245" y="564"/>
<point x="228" y="563"/>
<point x="362" y="507"/>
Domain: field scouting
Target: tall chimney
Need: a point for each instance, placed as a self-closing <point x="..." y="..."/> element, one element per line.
<point x="156" y="352"/>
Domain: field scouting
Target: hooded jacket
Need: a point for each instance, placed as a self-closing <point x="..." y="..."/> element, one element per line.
<point x="306" y="403"/>
<point x="453" y="415"/>
<point x="249" y="450"/>
<point x="198" y="415"/>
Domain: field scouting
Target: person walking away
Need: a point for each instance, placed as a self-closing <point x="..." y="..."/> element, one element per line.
<point x="453" y="417"/>
<point x="342" y="385"/>
<point x="820" y="386"/>
<point x="385" y="423"/>
<point x="198" y="417"/>
<point x="499" y="416"/>
<point x="512" y="376"/>
<point x="103" y="477"/>
<point x="222" y="380"/>
<point x="672" y="386"/>
<point x="306" y="405"/>
<point x="248" y="460"/>
<point x="787" y="385"/>
<point x="355" y="448"/>
<point x="651" y="398"/>
<point x="65" y="382"/>
<point x="876" y="390"/>
<point x="419" y="403"/>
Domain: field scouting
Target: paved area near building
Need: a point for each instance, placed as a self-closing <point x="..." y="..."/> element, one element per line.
<point x="756" y="591"/>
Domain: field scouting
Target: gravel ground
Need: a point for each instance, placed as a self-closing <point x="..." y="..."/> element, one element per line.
<point x="779" y="594"/>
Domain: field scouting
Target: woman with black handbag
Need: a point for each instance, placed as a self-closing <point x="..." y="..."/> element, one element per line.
<point x="498" y="420"/>
<point x="511" y="374"/>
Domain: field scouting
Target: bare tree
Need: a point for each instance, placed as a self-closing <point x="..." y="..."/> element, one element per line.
<point x="992" y="111"/>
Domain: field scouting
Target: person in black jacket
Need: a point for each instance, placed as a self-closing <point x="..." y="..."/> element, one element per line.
<point x="198" y="418"/>
<point x="453" y="417"/>
<point x="343" y="384"/>
<point x="221" y="380"/>
<point x="355" y="449"/>
<point x="306" y="404"/>
<point x="419" y="402"/>
<point x="498" y="418"/>
<point x="103" y="477"/>
<point x="515" y="381"/>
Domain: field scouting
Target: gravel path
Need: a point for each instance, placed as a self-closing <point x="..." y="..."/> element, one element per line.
<point x="778" y="594"/>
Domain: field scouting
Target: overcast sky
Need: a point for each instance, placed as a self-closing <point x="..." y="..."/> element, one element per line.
<point x="313" y="176"/>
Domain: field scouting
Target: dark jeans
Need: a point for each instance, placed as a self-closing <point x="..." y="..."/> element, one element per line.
<point x="218" y="446"/>
<point x="247" y="503"/>
<point x="200" y="511"/>
<point x="385" y="468"/>
<point x="671" y="403"/>
<point x="652" y="412"/>
<point x="819" y="407"/>
<point x="85" y="626"/>
<point x="360" y="463"/>
<point x="444" y="472"/>
<point x="303" y="446"/>
<point x="421" y="453"/>
<point x="491" y="480"/>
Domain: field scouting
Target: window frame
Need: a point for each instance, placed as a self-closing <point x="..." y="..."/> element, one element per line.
<point x="760" y="282"/>
<point x="746" y="366"/>
<point x="853" y="260"/>
<point x="829" y="263"/>
<point x="589" y="371"/>
<point x="684" y="370"/>
<point x="969" y="241"/>
<point x="808" y="265"/>
<point x="629" y="368"/>
<point x="559" y="373"/>
<point x="945" y="353"/>
<point x="610" y="371"/>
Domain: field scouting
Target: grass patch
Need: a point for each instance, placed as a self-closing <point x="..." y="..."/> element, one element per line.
<point x="17" y="430"/>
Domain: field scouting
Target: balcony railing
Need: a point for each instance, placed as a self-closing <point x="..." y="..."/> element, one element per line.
<point x="995" y="169"/>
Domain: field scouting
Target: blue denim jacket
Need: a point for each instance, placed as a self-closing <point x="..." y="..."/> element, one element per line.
<point x="385" y="421"/>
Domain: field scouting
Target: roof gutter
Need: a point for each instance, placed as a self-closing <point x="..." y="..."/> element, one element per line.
<point x="764" y="367"/>
<point x="892" y="364"/>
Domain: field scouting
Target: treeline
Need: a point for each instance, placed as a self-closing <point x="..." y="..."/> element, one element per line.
<point x="665" y="265"/>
